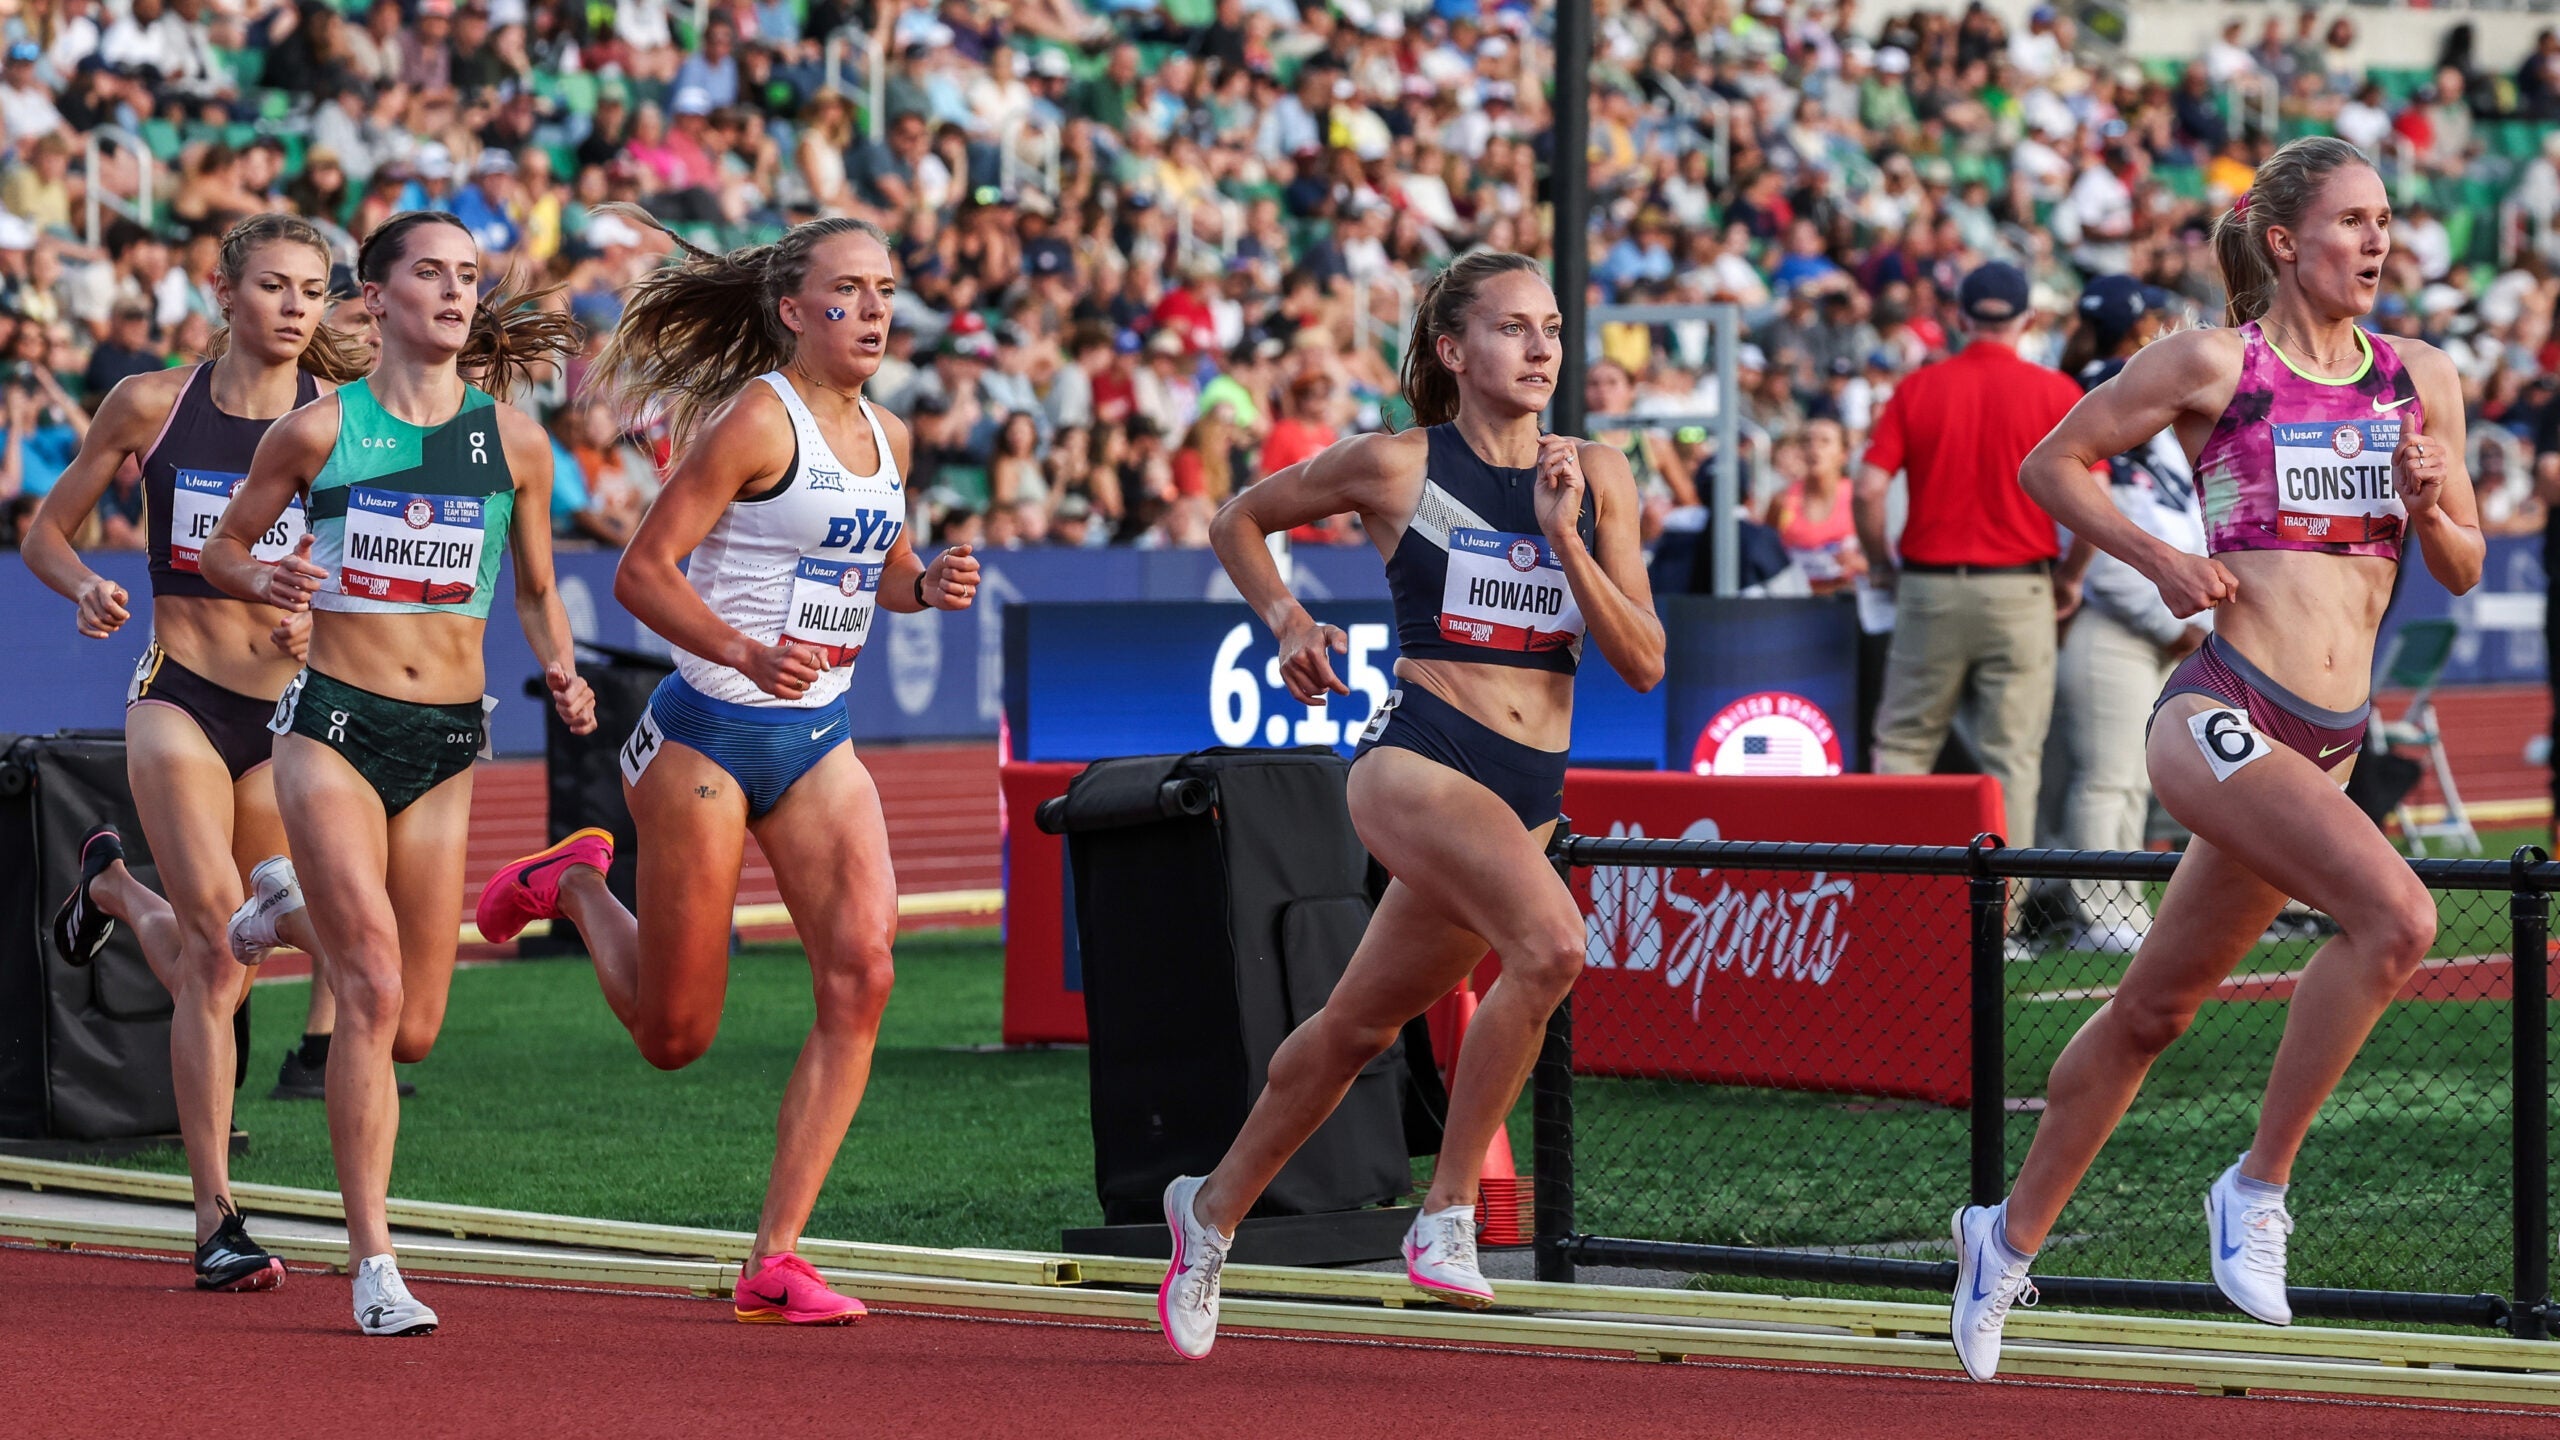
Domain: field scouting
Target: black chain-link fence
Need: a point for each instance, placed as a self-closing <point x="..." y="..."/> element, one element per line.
<point x="1826" y="1130"/>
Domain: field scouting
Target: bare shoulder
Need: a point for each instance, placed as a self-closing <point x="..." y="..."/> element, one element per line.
<point x="312" y="429"/>
<point x="519" y="429"/>
<point x="1381" y="455"/>
<point x="2426" y="364"/>
<point x="139" y="405"/>
<point x="1601" y="461"/>
<point x="2201" y="354"/>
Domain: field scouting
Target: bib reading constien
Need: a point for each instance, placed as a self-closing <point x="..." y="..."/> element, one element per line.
<point x="412" y="518"/>
<point x="2303" y="462"/>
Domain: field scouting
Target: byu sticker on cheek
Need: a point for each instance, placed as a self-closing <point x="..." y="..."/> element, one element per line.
<point x="2227" y="739"/>
<point x="835" y="312"/>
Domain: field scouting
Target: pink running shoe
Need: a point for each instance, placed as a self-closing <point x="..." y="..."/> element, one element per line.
<point x="786" y="1290"/>
<point x="527" y="890"/>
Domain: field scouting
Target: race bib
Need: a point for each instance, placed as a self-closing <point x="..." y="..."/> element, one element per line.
<point x="1506" y="592"/>
<point x="831" y="606"/>
<point x="196" y="500"/>
<point x="2227" y="739"/>
<point x="1377" y="725"/>
<point x="641" y="748"/>
<point x="2333" y="480"/>
<point x="418" y="549"/>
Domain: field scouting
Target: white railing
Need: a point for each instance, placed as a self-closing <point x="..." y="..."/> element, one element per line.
<point x="1364" y="315"/>
<point x="2261" y="91"/>
<point x="1186" y="234"/>
<point x="138" y="210"/>
<point x="1010" y="164"/>
<point x="875" y="79"/>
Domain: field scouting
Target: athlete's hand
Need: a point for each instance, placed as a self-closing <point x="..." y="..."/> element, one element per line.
<point x="293" y="580"/>
<point x="102" y="608"/>
<point x="1560" y="485"/>
<point x="2418" y="469"/>
<point x="2192" y="584"/>
<point x="951" y="581"/>
<point x="292" y="635"/>
<point x="572" y="697"/>
<point x="1305" y="666"/>
<point x="784" y="671"/>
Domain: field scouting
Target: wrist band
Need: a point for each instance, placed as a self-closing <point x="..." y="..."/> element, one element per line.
<point x="921" y="602"/>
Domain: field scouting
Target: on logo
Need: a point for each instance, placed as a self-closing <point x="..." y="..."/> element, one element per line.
<point x="479" y="440"/>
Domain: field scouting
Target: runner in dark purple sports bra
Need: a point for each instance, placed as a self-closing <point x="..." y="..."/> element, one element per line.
<point x="2323" y="455"/>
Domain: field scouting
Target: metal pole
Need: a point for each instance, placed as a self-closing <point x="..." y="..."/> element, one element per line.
<point x="1988" y="897"/>
<point x="1551" y="1125"/>
<point x="1569" y="186"/>
<point x="2531" y="1110"/>
<point x="1727" y="516"/>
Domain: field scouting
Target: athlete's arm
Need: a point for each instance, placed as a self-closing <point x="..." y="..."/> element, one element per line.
<point x="743" y="451"/>
<point x="951" y="580"/>
<point x="128" y="420"/>
<point x="2160" y="383"/>
<point x="1348" y="475"/>
<point x="538" y="607"/>
<point x="288" y="458"/>
<point x="1612" y="589"/>
<point x="2428" y="471"/>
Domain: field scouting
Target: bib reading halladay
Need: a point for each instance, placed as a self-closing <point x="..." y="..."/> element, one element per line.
<point x="2333" y="480"/>
<point x="1506" y="592"/>
<point x="197" y="499"/>
<point x="832" y="602"/>
<point x="412" y="517"/>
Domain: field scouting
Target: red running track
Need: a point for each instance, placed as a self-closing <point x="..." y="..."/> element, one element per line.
<point x="102" y="1346"/>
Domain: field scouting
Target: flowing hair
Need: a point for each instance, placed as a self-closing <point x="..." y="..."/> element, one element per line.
<point x="331" y="354"/>
<point x="697" y="330"/>
<point x="2281" y="194"/>
<point x="513" y="333"/>
<point x="1430" y="387"/>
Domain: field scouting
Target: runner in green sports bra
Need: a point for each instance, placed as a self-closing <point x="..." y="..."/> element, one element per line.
<point x="413" y="481"/>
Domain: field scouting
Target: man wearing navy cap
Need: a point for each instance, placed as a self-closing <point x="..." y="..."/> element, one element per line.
<point x="1975" y="592"/>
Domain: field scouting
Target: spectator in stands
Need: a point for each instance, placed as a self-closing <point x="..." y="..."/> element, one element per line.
<point x="126" y="350"/>
<point x="1976" y="594"/>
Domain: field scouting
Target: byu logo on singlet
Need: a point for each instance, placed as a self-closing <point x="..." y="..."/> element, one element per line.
<point x="863" y="530"/>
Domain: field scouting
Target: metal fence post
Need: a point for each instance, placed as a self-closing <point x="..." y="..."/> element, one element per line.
<point x="2530" y="908"/>
<point x="1988" y="898"/>
<point x="1551" y="1123"/>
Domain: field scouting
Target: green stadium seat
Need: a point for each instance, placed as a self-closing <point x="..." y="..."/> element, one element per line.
<point x="1190" y="14"/>
<point x="2167" y="72"/>
<point x="246" y="66"/>
<point x="578" y="92"/>
<point x="161" y="136"/>
<point x="2461" y="227"/>
<point x="274" y="104"/>
<point x="239" y="135"/>
<point x="2184" y="181"/>
<point x="2400" y="85"/>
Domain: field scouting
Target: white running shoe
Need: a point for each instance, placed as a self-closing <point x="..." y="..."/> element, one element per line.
<point x="384" y="1305"/>
<point x="1187" y="1302"/>
<point x="274" y="892"/>
<point x="1985" y="1289"/>
<point x="1440" y="1257"/>
<point x="2248" y="1238"/>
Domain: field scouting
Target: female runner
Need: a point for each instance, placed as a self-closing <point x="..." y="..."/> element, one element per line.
<point x="415" y="482"/>
<point x="2321" y="452"/>
<point x="196" y="741"/>
<point x="1460" y="774"/>
<point x="790" y="504"/>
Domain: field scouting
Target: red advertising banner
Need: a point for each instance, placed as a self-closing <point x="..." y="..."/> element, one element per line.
<point x="1800" y="980"/>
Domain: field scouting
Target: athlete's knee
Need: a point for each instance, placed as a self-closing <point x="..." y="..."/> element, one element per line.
<point x="1549" y="961"/>
<point x="671" y="1042"/>
<point x="415" y="1039"/>
<point x="2403" y="926"/>
<point x="368" y="996"/>
<point x="2149" y="1024"/>
<point x="852" y="984"/>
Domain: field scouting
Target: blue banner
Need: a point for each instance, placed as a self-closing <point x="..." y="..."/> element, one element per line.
<point x="942" y="675"/>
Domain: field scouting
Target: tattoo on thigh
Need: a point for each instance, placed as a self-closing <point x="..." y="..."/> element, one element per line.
<point x="707" y="792"/>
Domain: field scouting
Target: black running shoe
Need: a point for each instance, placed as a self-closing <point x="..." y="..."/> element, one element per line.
<point x="230" y="1260"/>
<point x="80" y="928"/>
<point x="300" y="1080"/>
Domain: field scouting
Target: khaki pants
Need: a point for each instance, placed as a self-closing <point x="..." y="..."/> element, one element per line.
<point x="1984" y="642"/>
<point x="2097" y="784"/>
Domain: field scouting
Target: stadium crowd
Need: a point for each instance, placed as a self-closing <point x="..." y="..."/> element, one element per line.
<point x="1153" y="249"/>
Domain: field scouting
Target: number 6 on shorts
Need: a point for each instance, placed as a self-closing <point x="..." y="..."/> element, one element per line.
<point x="2227" y="739"/>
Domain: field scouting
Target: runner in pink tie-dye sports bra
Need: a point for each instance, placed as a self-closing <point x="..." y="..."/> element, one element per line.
<point x="2299" y="462"/>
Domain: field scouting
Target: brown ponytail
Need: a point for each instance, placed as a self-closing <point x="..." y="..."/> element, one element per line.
<point x="331" y="354"/>
<point x="1430" y="387"/>
<point x="696" y="331"/>
<point x="2281" y="194"/>
<point x="513" y="332"/>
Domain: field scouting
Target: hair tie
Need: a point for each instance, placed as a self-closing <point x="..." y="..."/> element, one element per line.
<point x="2241" y="209"/>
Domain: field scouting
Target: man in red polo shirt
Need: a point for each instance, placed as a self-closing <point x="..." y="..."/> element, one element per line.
<point x="1975" y="592"/>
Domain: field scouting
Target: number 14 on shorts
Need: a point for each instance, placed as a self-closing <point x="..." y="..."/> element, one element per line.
<point x="2227" y="739"/>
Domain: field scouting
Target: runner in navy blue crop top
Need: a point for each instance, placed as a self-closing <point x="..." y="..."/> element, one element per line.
<point x="1505" y="549"/>
<point x="196" y="712"/>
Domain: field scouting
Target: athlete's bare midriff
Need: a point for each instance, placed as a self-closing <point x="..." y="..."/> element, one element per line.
<point x="2308" y="620"/>
<point x="228" y="642"/>
<point x="423" y="659"/>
